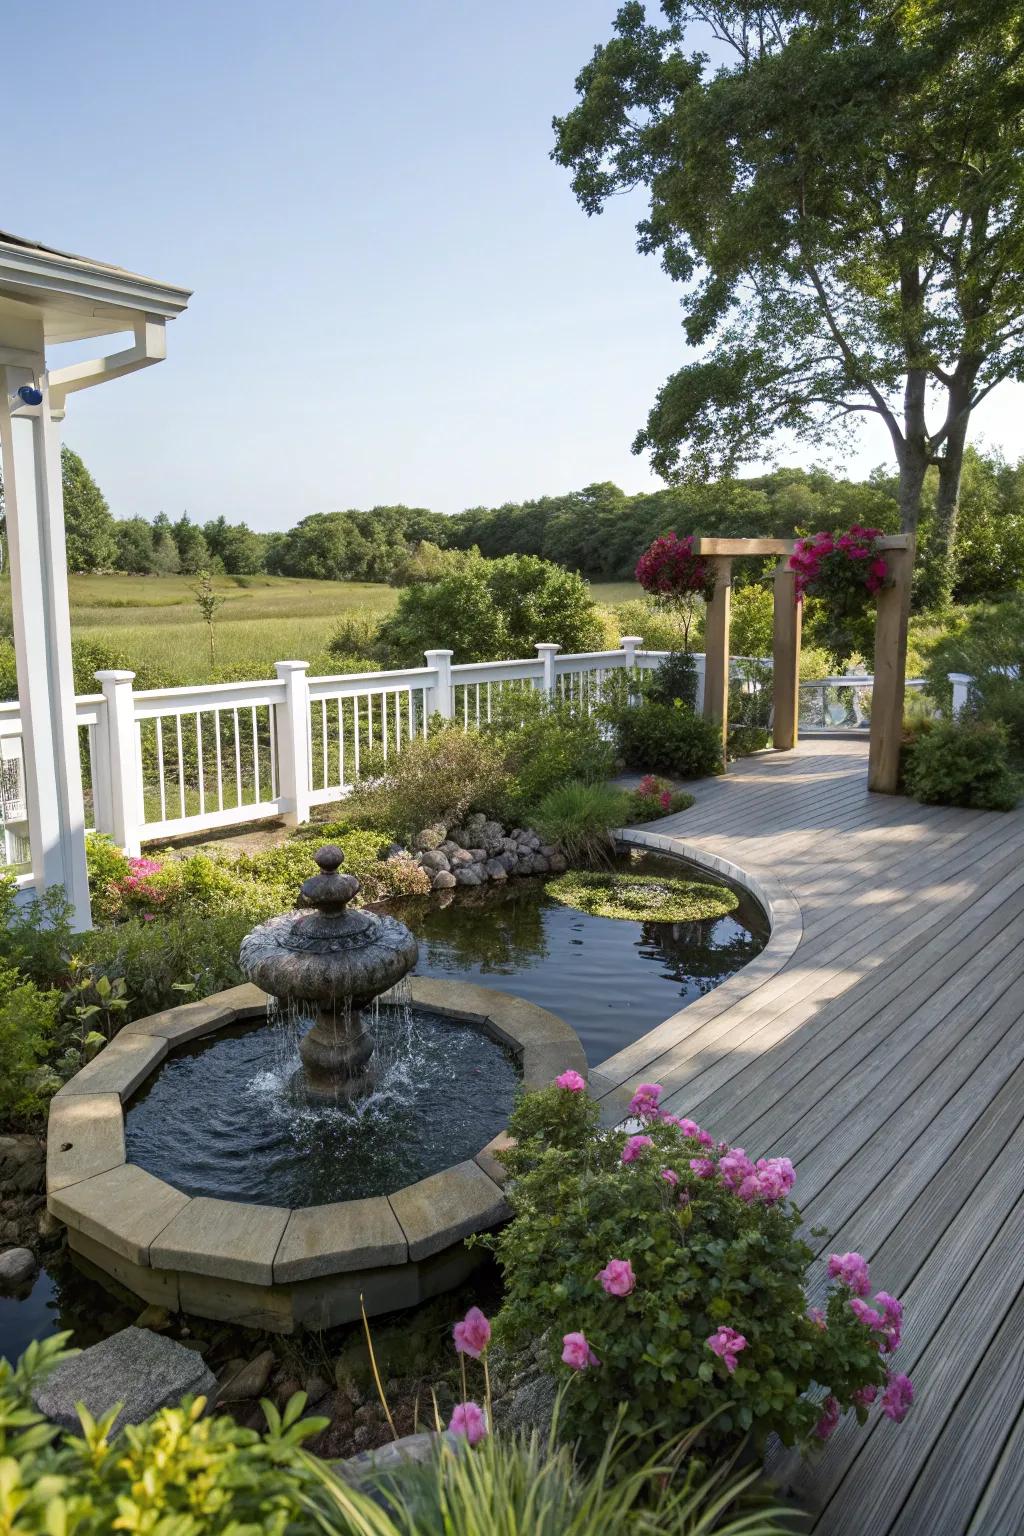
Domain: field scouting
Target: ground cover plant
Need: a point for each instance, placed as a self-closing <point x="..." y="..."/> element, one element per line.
<point x="642" y="898"/>
<point x="665" y="1271"/>
<point x="580" y="818"/>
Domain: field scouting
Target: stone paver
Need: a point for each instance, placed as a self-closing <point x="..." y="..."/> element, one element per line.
<point x="222" y="1238"/>
<point x="142" y="1370"/>
<point x="124" y="1208"/>
<point x="119" y="1068"/>
<point x="190" y="1021"/>
<point x="447" y="1206"/>
<point x="332" y="1239"/>
<point x="85" y="1136"/>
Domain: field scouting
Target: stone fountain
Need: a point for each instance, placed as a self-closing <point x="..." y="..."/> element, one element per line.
<point x="326" y="958"/>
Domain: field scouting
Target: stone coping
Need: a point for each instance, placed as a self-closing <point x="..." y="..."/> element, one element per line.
<point x="133" y="1223"/>
<point x="614" y="1080"/>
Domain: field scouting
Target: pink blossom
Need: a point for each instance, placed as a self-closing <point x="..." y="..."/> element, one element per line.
<point x="571" y="1081"/>
<point x="705" y="1139"/>
<point x="817" y="1317"/>
<point x="864" y="1313"/>
<point x="470" y="1420"/>
<point x="634" y="1146"/>
<point x="825" y="1426"/>
<point x="865" y="1396"/>
<point x="891" y="1324"/>
<point x="670" y="1176"/>
<point x="149" y="917"/>
<point x="726" y="1343"/>
<point x="703" y="1167"/>
<point x="734" y="1167"/>
<point x="684" y="1197"/>
<point x="645" y="1101"/>
<point x="648" y="785"/>
<point x="577" y="1352"/>
<point x="897" y="1397"/>
<point x="617" y="1277"/>
<point x="685" y="1126"/>
<point x="473" y="1334"/>
<point x="852" y="1270"/>
<point x="665" y="799"/>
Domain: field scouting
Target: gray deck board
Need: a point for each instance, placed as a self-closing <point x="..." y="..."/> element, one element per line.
<point x="885" y="1055"/>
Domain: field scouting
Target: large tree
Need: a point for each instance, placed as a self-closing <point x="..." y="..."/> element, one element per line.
<point x="842" y="199"/>
<point x="89" y="529"/>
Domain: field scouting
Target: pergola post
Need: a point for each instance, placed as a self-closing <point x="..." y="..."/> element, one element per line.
<point x="891" y="625"/>
<point x="716" y="647"/>
<point x="785" y="659"/>
<point x="34" y="516"/>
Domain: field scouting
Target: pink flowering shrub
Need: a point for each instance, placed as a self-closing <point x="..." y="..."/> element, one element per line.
<point x="654" y="797"/>
<point x="671" y="568"/>
<point x="665" y="1271"/>
<point x="842" y="567"/>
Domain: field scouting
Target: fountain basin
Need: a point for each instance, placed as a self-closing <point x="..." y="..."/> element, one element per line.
<point x="268" y="1266"/>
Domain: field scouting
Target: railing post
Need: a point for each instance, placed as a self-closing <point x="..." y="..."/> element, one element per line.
<point x="699" y="660"/>
<point x="122" y="761"/>
<point x="293" y="769"/>
<point x="629" y="644"/>
<point x="961" y="691"/>
<point x="439" y="694"/>
<point x="547" y="652"/>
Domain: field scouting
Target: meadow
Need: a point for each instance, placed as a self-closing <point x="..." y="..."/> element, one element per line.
<point x="152" y="622"/>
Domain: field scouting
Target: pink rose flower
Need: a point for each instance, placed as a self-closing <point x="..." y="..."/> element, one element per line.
<point x="645" y="1101"/>
<point x="897" y="1397"/>
<point x="571" y="1081"/>
<point x="473" y="1334"/>
<point x="705" y="1139"/>
<point x="735" y="1167"/>
<point x="577" y="1352"/>
<point x="634" y="1146"/>
<point x="891" y="1324"/>
<point x="852" y="1270"/>
<point x="825" y="1426"/>
<point x="726" y="1343"/>
<point x="685" y="1126"/>
<point x="470" y="1420"/>
<point x="617" y="1277"/>
<point x="703" y="1167"/>
<point x="865" y="1396"/>
<point x="670" y="1176"/>
<point x="864" y="1313"/>
<point x="817" y="1317"/>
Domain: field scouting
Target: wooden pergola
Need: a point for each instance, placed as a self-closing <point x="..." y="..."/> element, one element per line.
<point x="890" y="664"/>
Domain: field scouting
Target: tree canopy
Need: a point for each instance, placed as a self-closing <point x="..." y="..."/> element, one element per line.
<point x="842" y="201"/>
<point x="89" y="529"/>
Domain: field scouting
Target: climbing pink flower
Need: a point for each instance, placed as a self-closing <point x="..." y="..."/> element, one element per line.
<point x="571" y="1081"/>
<point x="852" y="1270"/>
<point x="577" y="1352"/>
<point x="645" y="1101"/>
<point x="617" y="1277"/>
<point x="670" y="1176"/>
<point x="726" y="1343"/>
<point x="897" y="1397"/>
<point x="825" y="1426"/>
<point x="703" y="1167"/>
<point x="865" y="1396"/>
<point x="473" y="1334"/>
<point x="470" y="1420"/>
<point x="634" y="1146"/>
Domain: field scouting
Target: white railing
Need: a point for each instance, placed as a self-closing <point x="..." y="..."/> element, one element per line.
<point x="963" y="687"/>
<point x="841" y="703"/>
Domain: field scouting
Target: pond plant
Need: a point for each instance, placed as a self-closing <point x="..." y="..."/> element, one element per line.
<point x="642" y="898"/>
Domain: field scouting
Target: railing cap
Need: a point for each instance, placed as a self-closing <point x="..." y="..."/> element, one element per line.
<point x="114" y="675"/>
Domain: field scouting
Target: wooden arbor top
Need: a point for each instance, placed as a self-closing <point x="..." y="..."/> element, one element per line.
<point x="890" y="648"/>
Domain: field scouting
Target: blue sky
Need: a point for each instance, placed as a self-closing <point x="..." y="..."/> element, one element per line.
<point x="397" y="297"/>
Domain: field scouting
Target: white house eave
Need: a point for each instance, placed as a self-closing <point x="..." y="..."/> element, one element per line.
<point x="62" y="285"/>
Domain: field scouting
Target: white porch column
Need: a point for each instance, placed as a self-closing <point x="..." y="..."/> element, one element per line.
<point x="30" y="445"/>
<point x="629" y="644"/>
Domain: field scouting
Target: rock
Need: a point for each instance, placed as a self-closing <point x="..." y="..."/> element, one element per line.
<point x="478" y="855"/>
<point x="558" y="863"/>
<point x="16" y="1266"/>
<point x="548" y="850"/>
<point x="156" y="1318"/>
<point x="394" y="851"/>
<point x="391" y="1459"/>
<point x="434" y="860"/>
<point x="540" y="864"/>
<point x="524" y="864"/>
<point x="468" y="874"/>
<point x="48" y="1225"/>
<point x="492" y="836"/>
<point x="250" y="1381"/>
<point x="531" y="1405"/>
<point x="509" y="845"/>
<point x="507" y="861"/>
<point x="316" y="1389"/>
<point x="478" y="819"/>
<point x="495" y="870"/>
<point x="429" y="839"/>
<point x="286" y="1390"/>
<point x="443" y="881"/>
<point x="143" y="1370"/>
<point x="531" y="840"/>
<point x="460" y="857"/>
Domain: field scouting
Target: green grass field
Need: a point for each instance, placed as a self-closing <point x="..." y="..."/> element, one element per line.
<point x="152" y="621"/>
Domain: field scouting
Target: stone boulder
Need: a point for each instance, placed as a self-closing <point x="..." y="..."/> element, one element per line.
<point x="443" y="881"/>
<point x="144" y="1371"/>
<point x="460" y="858"/>
<point x="245" y="1380"/>
<point x="16" y="1266"/>
<point x="478" y="855"/>
<point x="492" y="836"/>
<point x="434" y="860"/>
<point x="540" y="864"/>
<point x="469" y="874"/>
<point x="430" y="838"/>
<point x="476" y="820"/>
<point x="495" y="870"/>
<point x="524" y="863"/>
<point x="558" y="863"/>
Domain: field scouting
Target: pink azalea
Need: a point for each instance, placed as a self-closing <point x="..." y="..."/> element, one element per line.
<point x="670" y="1176"/>
<point x="817" y="1317"/>
<point x="703" y="1167"/>
<point x="897" y="1397"/>
<point x="470" y="1420"/>
<point x="577" y="1352"/>
<point x="634" y="1146"/>
<point x="852" y="1270"/>
<point x="617" y="1277"/>
<point x="864" y="1313"/>
<point x="734" y="1167"/>
<point x="891" y="1324"/>
<point x="825" y="1426"/>
<point x="865" y="1396"/>
<point x="705" y="1139"/>
<point x="645" y="1101"/>
<point x="726" y="1343"/>
<point x="571" y="1081"/>
<point x="473" y="1334"/>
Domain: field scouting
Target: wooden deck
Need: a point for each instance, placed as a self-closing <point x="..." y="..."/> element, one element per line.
<point x="879" y="1043"/>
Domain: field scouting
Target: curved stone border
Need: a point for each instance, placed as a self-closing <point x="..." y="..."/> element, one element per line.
<point x="262" y="1265"/>
<point x="615" y="1078"/>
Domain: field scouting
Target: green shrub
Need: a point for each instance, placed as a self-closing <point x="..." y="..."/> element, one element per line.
<point x="580" y="818"/>
<point x="173" y="959"/>
<point x="28" y="1020"/>
<point x="963" y="762"/>
<point x="671" y="739"/>
<point x="744" y="739"/>
<point x="983" y="642"/>
<point x="676" y="678"/>
<point x="659" y="626"/>
<point x="697" y="1251"/>
<point x="178" y="1473"/>
<point x="440" y="777"/>
<point x="642" y="898"/>
<point x="35" y="936"/>
<point x="545" y="743"/>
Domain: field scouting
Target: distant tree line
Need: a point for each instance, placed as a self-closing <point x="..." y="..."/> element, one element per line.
<point x="598" y="531"/>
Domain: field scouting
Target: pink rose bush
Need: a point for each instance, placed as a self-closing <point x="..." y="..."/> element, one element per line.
<point x="667" y="1270"/>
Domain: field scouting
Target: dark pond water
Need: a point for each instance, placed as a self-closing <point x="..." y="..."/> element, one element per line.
<point x="611" y="979"/>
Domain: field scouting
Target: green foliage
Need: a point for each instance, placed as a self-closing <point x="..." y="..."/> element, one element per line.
<point x="962" y="762"/>
<point x="88" y="525"/>
<point x="35" y="935"/>
<point x="546" y="742"/>
<point x="178" y="1474"/>
<point x="742" y="740"/>
<point x="700" y="1263"/>
<point x="580" y="818"/>
<point x="437" y="778"/>
<point x="642" y="898"/>
<point x="654" y="798"/>
<point x="172" y="960"/>
<point x="669" y="738"/>
<point x="28" y="1019"/>
<point x="987" y="643"/>
<point x="659" y="627"/>
<point x="752" y="621"/>
<point x="675" y="679"/>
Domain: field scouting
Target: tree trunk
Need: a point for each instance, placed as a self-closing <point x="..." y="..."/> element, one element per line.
<point x="912" y="452"/>
<point x="947" y="506"/>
